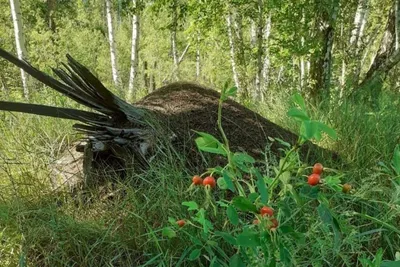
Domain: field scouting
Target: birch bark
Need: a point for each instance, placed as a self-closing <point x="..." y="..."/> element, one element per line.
<point x="19" y="41"/>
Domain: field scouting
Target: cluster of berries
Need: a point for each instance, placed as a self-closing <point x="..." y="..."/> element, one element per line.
<point x="315" y="177"/>
<point x="208" y="181"/>
<point x="272" y="222"/>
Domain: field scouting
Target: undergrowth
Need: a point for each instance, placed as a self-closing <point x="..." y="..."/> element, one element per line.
<point x="123" y="227"/>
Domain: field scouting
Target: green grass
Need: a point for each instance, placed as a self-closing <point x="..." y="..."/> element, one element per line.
<point x="120" y="225"/>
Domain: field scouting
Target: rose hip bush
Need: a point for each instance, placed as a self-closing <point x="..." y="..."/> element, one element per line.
<point x="253" y="214"/>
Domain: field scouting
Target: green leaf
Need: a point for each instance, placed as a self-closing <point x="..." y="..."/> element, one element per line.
<point x="215" y="263"/>
<point x="172" y="220"/>
<point x="299" y="100"/>
<point x="262" y="188"/>
<point x="284" y="143"/>
<point x="168" y="232"/>
<point x="308" y="129"/>
<point x="196" y="241"/>
<point x="310" y="191"/>
<point x="390" y="264"/>
<point x="396" y="160"/>
<point x="227" y="237"/>
<point x="244" y="204"/>
<point x="236" y="261"/>
<point x="248" y="239"/>
<point x="333" y="182"/>
<point x="232" y="215"/>
<point x="253" y="196"/>
<point x="328" y="130"/>
<point x="298" y="114"/>
<point x="228" y="180"/>
<point x="327" y="218"/>
<point x="231" y="91"/>
<point x="221" y="183"/>
<point x="325" y="214"/>
<point x="195" y="254"/>
<point x="201" y="218"/>
<point x="243" y="161"/>
<point x="209" y="143"/>
<point x="284" y="255"/>
<point x="242" y="158"/>
<point x="191" y="205"/>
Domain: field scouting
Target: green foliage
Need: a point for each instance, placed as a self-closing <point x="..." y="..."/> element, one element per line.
<point x="34" y="231"/>
<point x="266" y="240"/>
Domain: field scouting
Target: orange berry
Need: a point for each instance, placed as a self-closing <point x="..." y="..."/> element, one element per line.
<point x="197" y="180"/>
<point x="181" y="223"/>
<point x="318" y="168"/>
<point x="209" y="181"/>
<point x="314" y="179"/>
<point x="266" y="211"/>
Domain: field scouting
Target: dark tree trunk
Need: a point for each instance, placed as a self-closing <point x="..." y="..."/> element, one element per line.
<point x="322" y="64"/>
<point x="386" y="58"/>
<point x="146" y="79"/>
<point x="51" y="9"/>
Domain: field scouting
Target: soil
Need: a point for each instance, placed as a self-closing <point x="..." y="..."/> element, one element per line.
<point x="187" y="107"/>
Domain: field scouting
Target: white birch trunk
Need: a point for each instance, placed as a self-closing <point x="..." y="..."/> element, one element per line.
<point x="266" y="63"/>
<point x="280" y="74"/>
<point x="259" y="38"/>
<point x="359" y="23"/>
<point x="253" y="34"/>
<point x="19" y="40"/>
<point x="174" y="48"/>
<point x="302" y="67"/>
<point x="233" y="53"/>
<point x="134" y="50"/>
<point x="360" y="20"/>
<point x="397" y="24"/>
<point x="198" y="57"/>
<point x="113" y="53"/>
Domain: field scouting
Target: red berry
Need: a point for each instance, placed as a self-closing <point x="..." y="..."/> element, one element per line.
<point x="197" y="180"/>
<point x="273" y="224"/>
<point x="209" y="181"/>
<point x="266" y="211"/>
<point x="314" y="179"/>
<point x="181" y="223"/>
<point x="318" y="168"/>
<point x="256" y="221"/>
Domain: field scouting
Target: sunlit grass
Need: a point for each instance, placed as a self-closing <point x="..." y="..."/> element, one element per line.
<point x="120" y="224"/>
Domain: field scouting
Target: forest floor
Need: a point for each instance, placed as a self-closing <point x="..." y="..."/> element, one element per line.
<point x="123" y="223"/>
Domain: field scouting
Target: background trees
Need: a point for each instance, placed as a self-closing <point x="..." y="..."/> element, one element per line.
<point x="325" y="49"/>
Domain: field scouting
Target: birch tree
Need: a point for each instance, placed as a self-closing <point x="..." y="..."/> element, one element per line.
<point x="388" y="54"/>
<point x="266" y="61"/>
<point x="19" y="40"/>
<point x="322" y="67"/>
<point x="174" y="27"/>
<point x="236" y="43"/>
<point x="174" y="46"/>
<point x="134" y="48"/>
<point x="233" y="53"/>
<point x="113" y="52"/>
<point x="259" y="34"/>
<point x="198" y="69"/>
<point x="51" y="8"/>
<point x="360" y="20"/>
